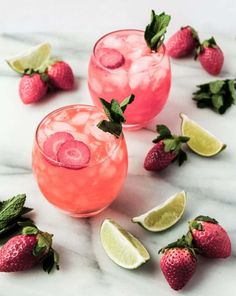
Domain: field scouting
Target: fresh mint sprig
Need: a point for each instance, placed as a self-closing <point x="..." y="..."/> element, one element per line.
<point x="11" y="216"/>
<point x="156" y="29"/>
<point x="115" y="114"/>
<point x="218" y="95"/>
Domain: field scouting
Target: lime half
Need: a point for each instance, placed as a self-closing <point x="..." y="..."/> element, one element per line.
<point x="34" y="58"/>
<point x="165" y="215"/>
<point x="201" y="141"/>
<point x="121" y="246"/>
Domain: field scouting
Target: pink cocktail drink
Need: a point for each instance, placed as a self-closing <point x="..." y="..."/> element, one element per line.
<point x="122" y="64"/>
<point x="79" y="168"/>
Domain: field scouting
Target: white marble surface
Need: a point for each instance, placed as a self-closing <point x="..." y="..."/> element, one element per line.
<point x="209" y="183"/>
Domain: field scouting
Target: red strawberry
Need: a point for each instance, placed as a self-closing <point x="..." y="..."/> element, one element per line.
<point x="60" y="75"/>
<point x="73" y="154"/>
<point x="167" y="150"/>
<point x="17" y="255"/>
<point x="211" y="56"/>
<point x="111" y="58"/>
<point x="32" y="88"/>
<point x="210" y="238"/>
<point x="182" y="43"/>
<point x="178" y="263"/>
<point x="24" y="251"/>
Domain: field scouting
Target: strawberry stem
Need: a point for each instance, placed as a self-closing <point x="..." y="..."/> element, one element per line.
<point x="185" y="242"/>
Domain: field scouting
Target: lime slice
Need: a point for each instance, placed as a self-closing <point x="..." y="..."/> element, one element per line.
<point x="121" y="246"/>
<point x="34" y="58"/>
<point x="201" y="141"/>
<point x="165" y="215"/>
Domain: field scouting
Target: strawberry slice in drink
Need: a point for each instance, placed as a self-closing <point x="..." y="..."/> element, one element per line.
<point x="111" y="58"/>
<point x="53" y="143"/>
<point x="73" y="154"/>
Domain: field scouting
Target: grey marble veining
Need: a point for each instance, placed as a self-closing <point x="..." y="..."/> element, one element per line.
<point x="209" y="183"/>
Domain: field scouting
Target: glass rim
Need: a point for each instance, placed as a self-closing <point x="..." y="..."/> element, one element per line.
<point x="117" y="31"/>
<point x="73" y="106"/>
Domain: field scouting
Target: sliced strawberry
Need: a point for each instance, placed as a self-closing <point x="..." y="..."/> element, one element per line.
<point x="111" y="58"/>
<point x="53" y="143"/>
<point x="73" y="154"/>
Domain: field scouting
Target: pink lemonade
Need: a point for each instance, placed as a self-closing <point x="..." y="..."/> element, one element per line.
<point x="80" y="190"/>
<point x="122" y="64"/>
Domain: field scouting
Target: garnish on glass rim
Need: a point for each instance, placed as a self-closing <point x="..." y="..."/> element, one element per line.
<point x="217" y="95"/>
<point x="115" y="114"/>
<point x="156" y="29"/>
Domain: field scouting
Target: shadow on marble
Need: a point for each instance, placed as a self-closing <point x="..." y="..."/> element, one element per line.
<point x="53" y="94"/>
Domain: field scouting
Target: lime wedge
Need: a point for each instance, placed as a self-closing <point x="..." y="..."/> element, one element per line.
<point x="165" y="215"/>
<point x="34" y="58"/>
<point x="121" y="246"/>
<point x="201" y="141"/>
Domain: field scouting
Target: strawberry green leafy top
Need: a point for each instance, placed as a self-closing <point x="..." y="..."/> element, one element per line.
<point x="156" y="29"/>
<point x="115" y="114"/>
<point x="185" y="242"/>
<point x="172" y="143"/>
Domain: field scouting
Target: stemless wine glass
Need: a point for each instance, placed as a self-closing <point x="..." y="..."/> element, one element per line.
<point x="121" y="64"/>
<point x="78" y="168"/>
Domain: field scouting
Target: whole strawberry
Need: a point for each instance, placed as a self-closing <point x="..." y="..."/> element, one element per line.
<point x="166" y="150"/>
<point x="60" y="75"/>
<point x="178" y="263"/>
<point x="32" y="88"/>
<point x="24" y="251"/>
<point x="182" y="43"/>
<point x="210" y="238"/>
<point x="210" y="56"/>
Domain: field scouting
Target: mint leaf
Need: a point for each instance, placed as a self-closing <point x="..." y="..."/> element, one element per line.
<point x="231" y="88"/>
<point x="217" y="101"/>
<point x="216" y="86"/>
<point x="126" y="102"/>
<point x="156" y="29"/>
<point x="110" y="127"/>
<point x="12" y="207"/>
<point x="217" y="95"/>
<point x="106" y="107"/>
<point x="115" y="114"/>
<point x="201" y="96"/>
